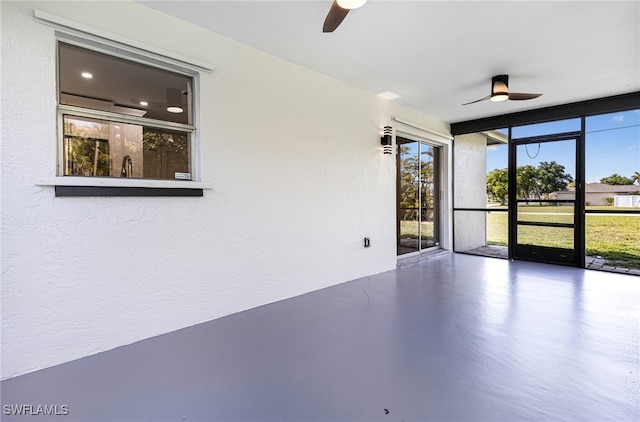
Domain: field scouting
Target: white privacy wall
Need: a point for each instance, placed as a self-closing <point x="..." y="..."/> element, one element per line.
<point x="470" y="191"/>
<point x="298" y="180"/>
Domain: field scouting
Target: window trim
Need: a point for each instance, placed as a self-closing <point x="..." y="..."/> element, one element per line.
<point x="115" y="182"/>
<point x="124" y="191"/>
<point x="123" y="118"/>
<point x="63" y="109"/>
<point x="88" y="37"/>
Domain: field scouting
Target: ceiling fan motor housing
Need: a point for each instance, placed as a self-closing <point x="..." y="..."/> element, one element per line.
<point x="500" y="88"/>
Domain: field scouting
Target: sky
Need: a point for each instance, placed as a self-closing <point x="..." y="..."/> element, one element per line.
<point x="612" y="146"/>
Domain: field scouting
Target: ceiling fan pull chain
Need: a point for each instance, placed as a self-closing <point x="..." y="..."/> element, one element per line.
<point x="527" y="150"/>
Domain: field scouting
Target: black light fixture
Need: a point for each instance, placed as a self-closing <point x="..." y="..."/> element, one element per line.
<point x="386" y="140"/>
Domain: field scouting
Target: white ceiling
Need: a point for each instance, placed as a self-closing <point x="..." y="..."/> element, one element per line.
<point x="440" y="54"/>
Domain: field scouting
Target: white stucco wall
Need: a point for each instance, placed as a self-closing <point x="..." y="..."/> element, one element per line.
<point x="470" y="190"/>
<point x="298" y="180"/>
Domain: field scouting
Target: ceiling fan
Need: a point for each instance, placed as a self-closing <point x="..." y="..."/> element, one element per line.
<point x="338" y="12"/>
<point x="500" y="91"/>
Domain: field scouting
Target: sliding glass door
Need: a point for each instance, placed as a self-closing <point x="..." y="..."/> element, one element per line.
<point x="418" y="196"/>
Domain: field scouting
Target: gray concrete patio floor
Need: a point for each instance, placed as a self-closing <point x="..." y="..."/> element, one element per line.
<point x="454" y="337"/>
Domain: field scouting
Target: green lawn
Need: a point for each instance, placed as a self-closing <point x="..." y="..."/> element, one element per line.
<point x="615" y="238"/>
<point x="409" y="229"/>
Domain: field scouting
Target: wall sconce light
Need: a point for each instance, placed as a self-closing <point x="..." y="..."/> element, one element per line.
<point x="386" y="140"/>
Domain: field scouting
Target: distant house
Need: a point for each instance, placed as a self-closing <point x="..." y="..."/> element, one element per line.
<point x="595" y="193"/>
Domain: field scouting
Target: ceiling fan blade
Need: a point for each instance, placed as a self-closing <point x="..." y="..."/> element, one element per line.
<point x="477" y="101"/>
<point x="334" y="18"/>
<point x="522" y="96"/>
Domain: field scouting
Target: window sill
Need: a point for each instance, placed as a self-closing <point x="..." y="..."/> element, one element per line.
<point x="97" y="186"/>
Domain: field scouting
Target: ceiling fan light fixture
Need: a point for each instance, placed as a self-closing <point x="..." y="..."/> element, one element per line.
<point x="389" y="95"/>
<point x="499" y="97"/>
<point x="351" y="4"/>
<point x="499" y="88"/>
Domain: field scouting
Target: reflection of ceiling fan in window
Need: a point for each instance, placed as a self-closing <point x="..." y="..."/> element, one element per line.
<point x="176" y="102"/>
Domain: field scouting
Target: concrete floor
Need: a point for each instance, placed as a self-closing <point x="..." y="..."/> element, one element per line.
<point x="452" y="338"/>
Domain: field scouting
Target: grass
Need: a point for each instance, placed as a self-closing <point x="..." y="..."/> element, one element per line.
<point x="409" y="229"/>
<point x="614" y="238"/>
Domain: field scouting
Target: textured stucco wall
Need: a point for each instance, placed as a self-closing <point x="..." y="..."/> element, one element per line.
<point x="470" y="164"/>
<point x="298" y="180"/>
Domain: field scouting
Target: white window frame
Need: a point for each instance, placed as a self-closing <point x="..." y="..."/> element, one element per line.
<point x="84" y="36"/>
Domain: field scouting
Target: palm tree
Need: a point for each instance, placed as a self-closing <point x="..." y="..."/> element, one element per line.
<point x="636" y="177"/>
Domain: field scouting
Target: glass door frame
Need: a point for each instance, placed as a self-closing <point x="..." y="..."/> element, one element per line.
<point x="437" y="197"/>
<point x="570" y="257"/>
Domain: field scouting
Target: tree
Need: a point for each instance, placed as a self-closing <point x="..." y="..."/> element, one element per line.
<point x="87" y="156"/>
<point x="616" y="179"/>
<point x="526" y="178"/>
<point x="498" y="185"/>
<point x="551" y="177"/>
<point x="417" y="182"/>
<point x="409" y="183"/>
<point x="531" y="181"/>
<point x="636" y="177"/>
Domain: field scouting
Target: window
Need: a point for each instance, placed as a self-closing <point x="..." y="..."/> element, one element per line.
<point x="123" y="118"/>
